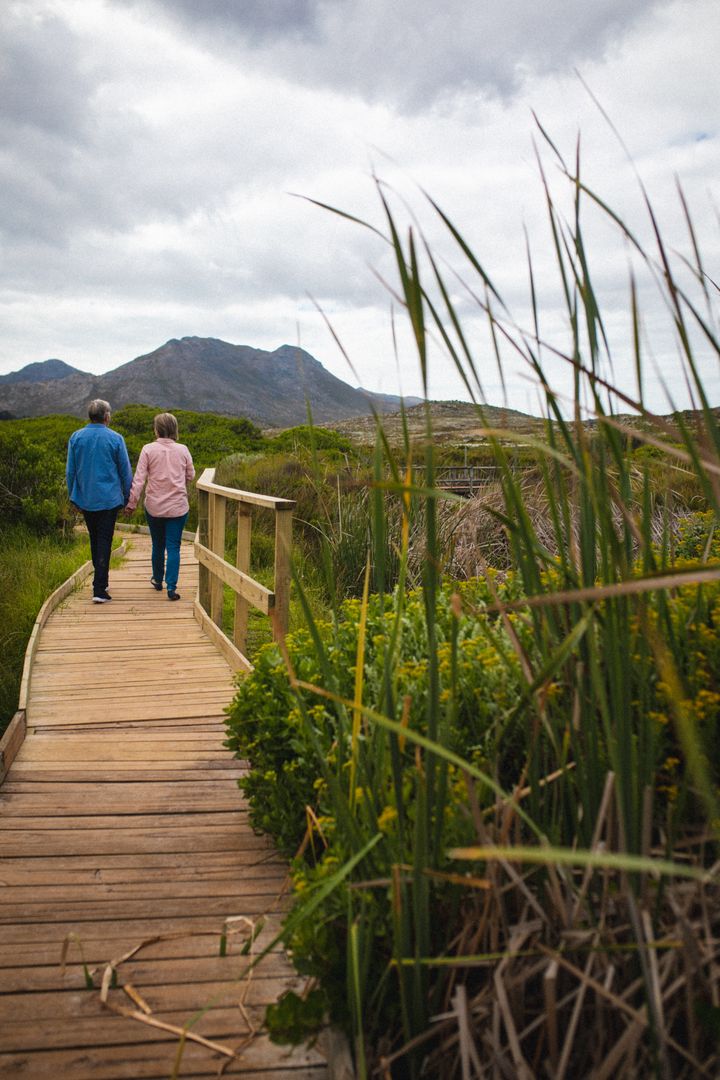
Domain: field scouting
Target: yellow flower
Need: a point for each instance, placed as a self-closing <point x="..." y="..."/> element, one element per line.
<point x="386" y="818"/>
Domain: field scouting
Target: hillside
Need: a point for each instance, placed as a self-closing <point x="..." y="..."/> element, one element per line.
<point x="452" y="422"/>
<point x="202" y="374"/>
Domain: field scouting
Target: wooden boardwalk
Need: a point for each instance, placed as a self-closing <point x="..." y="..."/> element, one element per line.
<point x="120" y="822"/>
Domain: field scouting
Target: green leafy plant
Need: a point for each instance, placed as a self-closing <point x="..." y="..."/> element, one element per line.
<point x="607" y="622"/>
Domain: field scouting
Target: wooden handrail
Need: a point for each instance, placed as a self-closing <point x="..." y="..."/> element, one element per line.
<point x="215" y="571"/>
<point x="252" y="498"/>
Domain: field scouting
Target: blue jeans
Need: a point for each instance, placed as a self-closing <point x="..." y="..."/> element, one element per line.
<point x="166" y="534"/>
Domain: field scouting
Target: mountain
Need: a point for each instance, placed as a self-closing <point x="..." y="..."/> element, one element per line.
<point x="204" y="374"/>
<point x="42" y="371"/>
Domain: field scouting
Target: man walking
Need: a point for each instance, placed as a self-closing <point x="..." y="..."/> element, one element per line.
<point x="98" y="479"/>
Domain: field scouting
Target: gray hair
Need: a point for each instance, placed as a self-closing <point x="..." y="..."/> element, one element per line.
<point x="98" y="411"/>
<point x="166" y="426"/>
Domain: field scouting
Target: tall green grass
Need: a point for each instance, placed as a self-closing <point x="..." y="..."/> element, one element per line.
<point x="31" y="567"/>
<point x="576" y="906"/>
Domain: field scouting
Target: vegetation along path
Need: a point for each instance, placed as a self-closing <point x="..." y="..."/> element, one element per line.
<point x="123" y="826"/>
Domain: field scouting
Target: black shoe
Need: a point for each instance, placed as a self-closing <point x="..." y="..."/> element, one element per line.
<point x="102" y="597"/>
<point x="157" y="585"/>
<point x="173" y="595"/>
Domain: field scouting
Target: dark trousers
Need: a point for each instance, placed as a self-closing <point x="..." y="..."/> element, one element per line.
<point x="101" y="525"/>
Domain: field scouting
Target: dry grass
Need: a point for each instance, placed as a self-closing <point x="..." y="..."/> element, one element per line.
<point x="475" y="534"/>
<point x="553" y="968"/>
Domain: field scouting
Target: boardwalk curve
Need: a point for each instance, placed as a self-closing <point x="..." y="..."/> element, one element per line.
<point x="121" y="822"/>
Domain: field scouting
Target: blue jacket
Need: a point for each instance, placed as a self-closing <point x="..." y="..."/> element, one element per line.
<point x="98" y="468"/>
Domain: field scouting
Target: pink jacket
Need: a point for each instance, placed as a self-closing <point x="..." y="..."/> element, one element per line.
<point x="167" y="467"/>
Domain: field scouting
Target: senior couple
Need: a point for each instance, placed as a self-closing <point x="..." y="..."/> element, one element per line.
<point x="101" y="484"/>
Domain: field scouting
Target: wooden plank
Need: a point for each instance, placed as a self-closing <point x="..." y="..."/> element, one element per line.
<point x="103" y="763"/>
<point x="201" y="537"/>
<point x="242" y="562"/>
<point x="162" y="651"/>
<point x="42" y="773"/>
<point x="117" y="792"/>
<point x="216" y="544"/>
<point x="266" y="880"/>
<point x="183" y="996"/>
<point x="191" y="688"/>
<point x="128" y="867"/>
<point x="18" y="873"/>
<point x="136" y="709"/>
<point x="70" y="813"/>
<point x="126" y="841"/>
<point x="11" y="741"/>
<point x="115" y="936"/>
<point x="260" y="597"/>
<point x="112" y="752"/>
<point x="232" y="654"/>
<point x="197" y="970"/>
<point x="133" y="701"/>
<point x="262" y="897"/>
<point x="183" y="818"/>
<point x="283" y="547"/>
<point x="150" y="1060"/>
<point x="80" y="1020"/>
<point x="101" y="943"/>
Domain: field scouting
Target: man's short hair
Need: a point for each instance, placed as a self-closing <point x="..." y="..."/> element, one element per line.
<point x="98" y="411"/>
<point x="166" y="426"/>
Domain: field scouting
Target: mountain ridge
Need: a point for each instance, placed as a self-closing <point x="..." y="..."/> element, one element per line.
<point x="42" y="371"/>
<point x="202" y="374"/>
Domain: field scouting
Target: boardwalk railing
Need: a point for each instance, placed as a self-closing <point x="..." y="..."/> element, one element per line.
<point x="215" y="571"/>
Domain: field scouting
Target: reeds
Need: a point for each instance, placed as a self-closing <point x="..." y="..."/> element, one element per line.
<point x="575" y="933"/>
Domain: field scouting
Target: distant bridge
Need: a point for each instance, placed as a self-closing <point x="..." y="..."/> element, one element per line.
<point x="460" y="479"/>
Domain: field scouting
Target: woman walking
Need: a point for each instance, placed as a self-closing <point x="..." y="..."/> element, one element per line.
<point x="167" y="467"/>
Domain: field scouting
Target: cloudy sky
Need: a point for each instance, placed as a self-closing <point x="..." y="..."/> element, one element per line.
<point x="152" y="151"/>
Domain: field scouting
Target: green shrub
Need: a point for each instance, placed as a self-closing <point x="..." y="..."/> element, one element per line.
<point x="32" y="473"/>
<point x="267" y="723"/>
<point x="304" y="437"/>
<point x="208" y="436"/>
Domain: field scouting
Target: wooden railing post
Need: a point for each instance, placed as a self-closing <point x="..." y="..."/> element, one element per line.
<point x="283" y="548"/>
<point x="240" y="622"/>
<point x="217" y="545"/>
<point x="216" y="571"/>
<point x="203" y="531"/>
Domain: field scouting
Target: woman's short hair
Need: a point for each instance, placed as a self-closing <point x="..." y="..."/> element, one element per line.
<point x="166" y="426"/>
<point x="98" y="411"/>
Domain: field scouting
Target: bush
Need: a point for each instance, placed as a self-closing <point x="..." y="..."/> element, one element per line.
<point x="32" y="473"/>
<point x="208" y="436"/>
<point x="304" y="437"/>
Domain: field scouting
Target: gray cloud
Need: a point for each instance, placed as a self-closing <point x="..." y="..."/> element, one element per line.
<point x="42" y="85"/>
<point x="149" y="146"/>
<point x="257" y="19"/>
<point x="413" y="53"/>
